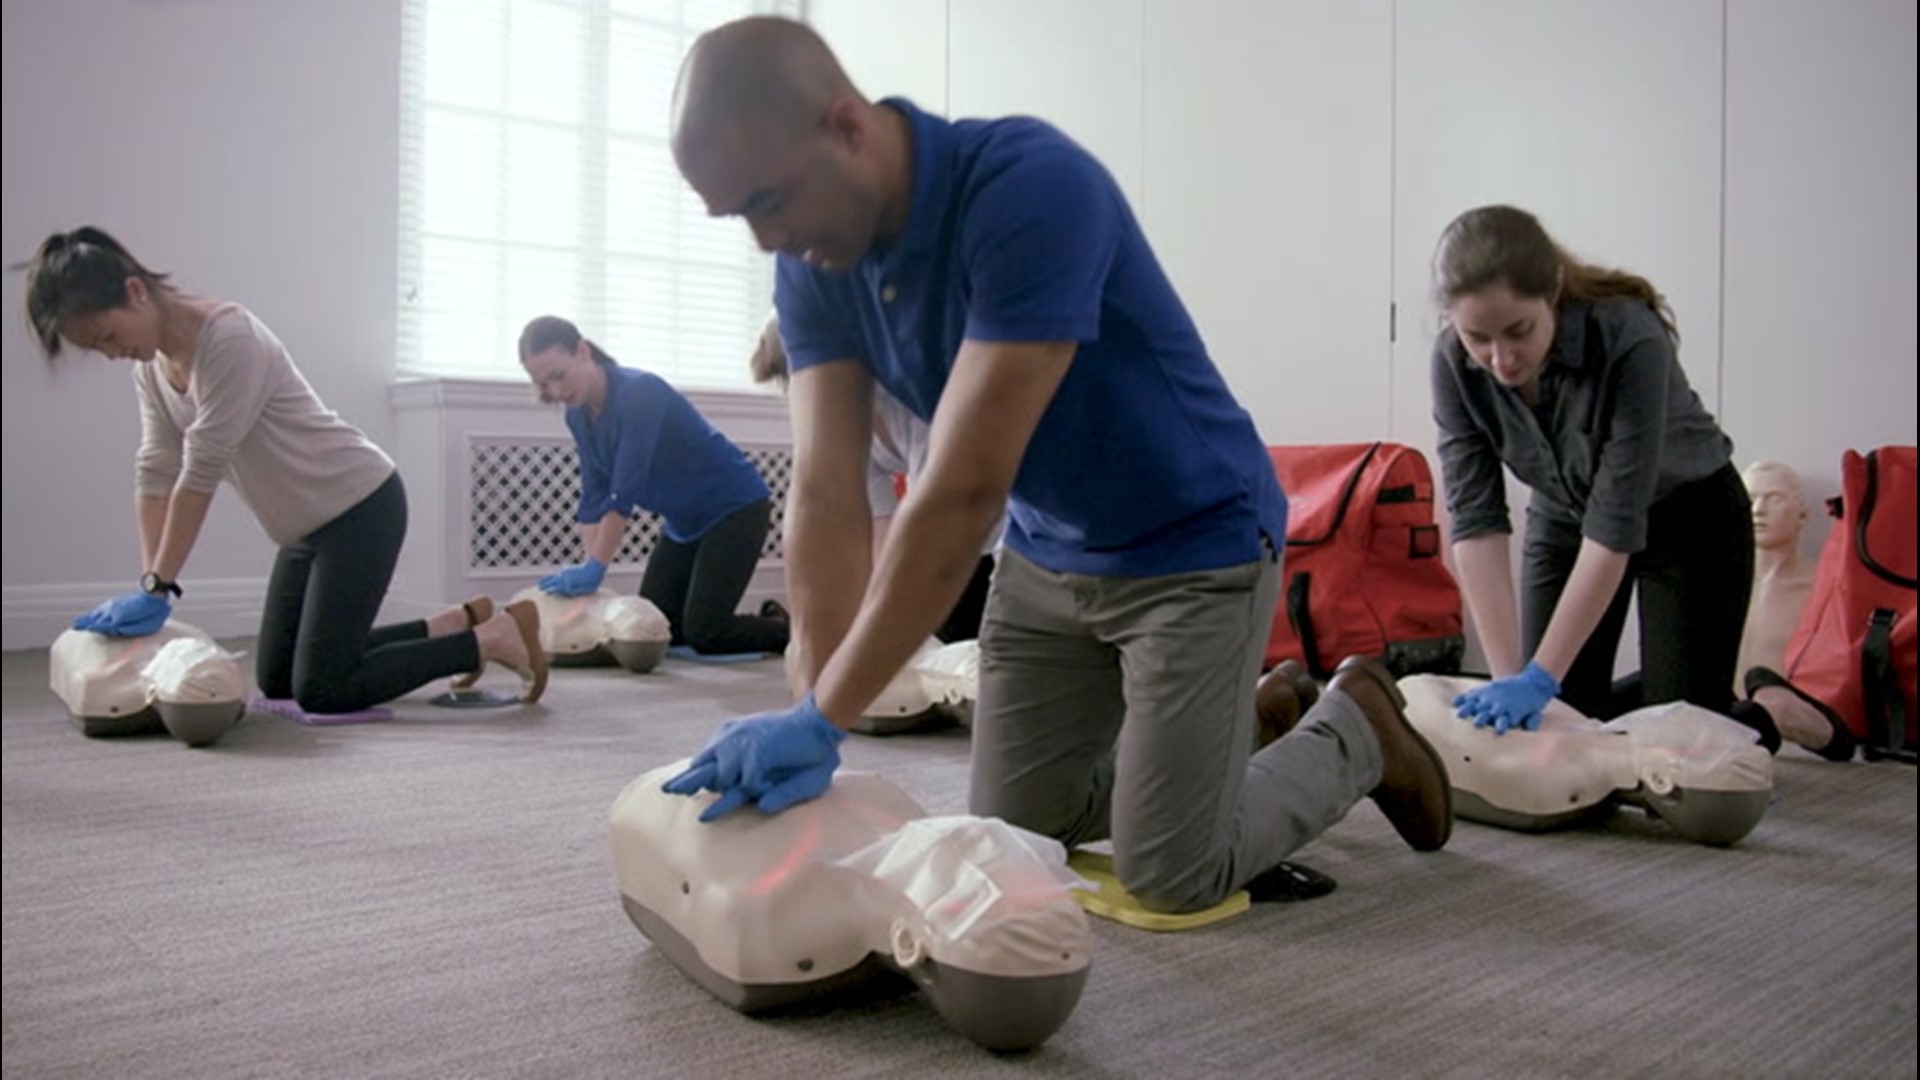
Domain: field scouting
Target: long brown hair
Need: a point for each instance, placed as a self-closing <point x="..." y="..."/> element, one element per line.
<point x="1504" y="245"/>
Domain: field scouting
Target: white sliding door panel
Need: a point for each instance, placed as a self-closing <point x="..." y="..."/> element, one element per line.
<point x="1820" y="334"/>
<point x="1269" y="196"/>
<point x="1603" y="118"/>
<point x="1074" y="63"/>
<point x="891" y="48"/>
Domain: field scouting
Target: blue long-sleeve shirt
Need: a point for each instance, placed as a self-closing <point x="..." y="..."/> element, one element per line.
<point x="650" y="448"/>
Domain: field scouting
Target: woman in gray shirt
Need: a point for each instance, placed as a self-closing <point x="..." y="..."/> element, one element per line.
<point x="220" y="399"/>
<point x="1566" y="373"/>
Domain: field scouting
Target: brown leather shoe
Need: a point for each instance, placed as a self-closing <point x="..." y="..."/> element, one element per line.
<point x="533" y="677"/>
<point x="1281" y="698"/>
<point x="1414" y="791"/>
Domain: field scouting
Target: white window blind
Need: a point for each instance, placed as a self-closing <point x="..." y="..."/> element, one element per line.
<point x="536" y="180"/>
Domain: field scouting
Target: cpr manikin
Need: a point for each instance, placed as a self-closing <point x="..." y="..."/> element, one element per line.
<point x="585" y="630"/>
<point x="856" y="886"/>
<point x="177" y="679"/>
<point x="935" y="689"/>
<point x="1782" y="578"/>
<point x="1700" y="772"/>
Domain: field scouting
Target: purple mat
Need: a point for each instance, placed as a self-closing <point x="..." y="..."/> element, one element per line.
<point x="288" y="709"/>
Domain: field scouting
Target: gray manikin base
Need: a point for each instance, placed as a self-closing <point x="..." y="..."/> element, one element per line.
<point x="999" y="1013"/>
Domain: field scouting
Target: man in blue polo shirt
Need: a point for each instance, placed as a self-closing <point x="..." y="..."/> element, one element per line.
<point x="990" y="275"/>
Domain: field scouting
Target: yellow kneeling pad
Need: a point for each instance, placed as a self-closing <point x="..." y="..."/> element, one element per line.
<point x="1110" y="901"/>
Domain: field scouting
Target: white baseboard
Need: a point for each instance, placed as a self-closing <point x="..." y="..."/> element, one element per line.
<point x="31" y="616"/>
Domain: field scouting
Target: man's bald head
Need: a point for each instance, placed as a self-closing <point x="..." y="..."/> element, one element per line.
<point x="767" y="127"/>
<point x="765" y="78"/>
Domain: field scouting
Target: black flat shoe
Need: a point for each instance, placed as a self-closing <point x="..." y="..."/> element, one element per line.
<point x="1840" y="745"/>
<point x="1289" y="882"/>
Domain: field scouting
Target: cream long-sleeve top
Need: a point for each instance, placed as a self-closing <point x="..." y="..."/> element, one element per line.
<point x="250" y="417"/>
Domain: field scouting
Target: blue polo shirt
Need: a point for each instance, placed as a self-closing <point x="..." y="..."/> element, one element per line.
<point x="1143" y="464"/>
<point x="651" y="448"/>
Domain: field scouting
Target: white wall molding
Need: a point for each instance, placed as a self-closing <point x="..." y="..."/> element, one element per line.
<point x="36" y="614"/>
<point x="718" y="406"/>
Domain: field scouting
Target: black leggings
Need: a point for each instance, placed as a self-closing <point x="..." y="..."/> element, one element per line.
<point x="1695" y="578"/>
<point x="698" y="585"/>
<point x="316" y="645"/>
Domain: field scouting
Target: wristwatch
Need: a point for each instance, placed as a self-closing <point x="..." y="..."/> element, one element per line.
<point x="151" y="582"/>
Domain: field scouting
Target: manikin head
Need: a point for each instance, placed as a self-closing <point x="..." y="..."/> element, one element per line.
<point x="767" y="127"/>
<point x="1779" y="504"/>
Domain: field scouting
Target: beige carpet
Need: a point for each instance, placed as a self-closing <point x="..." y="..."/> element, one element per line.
<point x="433" y="897"/>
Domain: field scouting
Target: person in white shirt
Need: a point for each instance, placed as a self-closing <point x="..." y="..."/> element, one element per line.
<point x="220" y="399"/>
<point x="900" y="442"/>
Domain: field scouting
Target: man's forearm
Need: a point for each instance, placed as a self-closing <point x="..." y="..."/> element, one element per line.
<point x="911" y="596"/>
<point x="828" y="556"/>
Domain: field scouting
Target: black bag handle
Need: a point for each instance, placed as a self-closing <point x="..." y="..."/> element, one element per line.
<point x="1886" y="710"/>
<point x="1301" y="616"/>
<point x="1867" y="500"/>
<point x="1346" y="498"/>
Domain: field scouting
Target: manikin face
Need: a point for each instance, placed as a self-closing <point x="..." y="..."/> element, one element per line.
<point x="128" y="332"/>
<point x="1508" y="335"/>
<point x="1779" y="508"/>
<point x="802" y="195"/>
<point x="563" y="375"/>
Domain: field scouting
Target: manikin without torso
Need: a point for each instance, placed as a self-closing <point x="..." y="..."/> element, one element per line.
<point x="1782" y="579"/>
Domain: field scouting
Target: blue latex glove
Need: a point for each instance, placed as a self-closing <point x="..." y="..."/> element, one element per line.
<point x="1512" y="702"/>
<point x="576" y="580"/>
<point x="136" y="614"/>
<point x="772" y="760"/>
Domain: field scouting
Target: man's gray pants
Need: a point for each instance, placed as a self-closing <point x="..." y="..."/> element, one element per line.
<point x="1122" y="709"/>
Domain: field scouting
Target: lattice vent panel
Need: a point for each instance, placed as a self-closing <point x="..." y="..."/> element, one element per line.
<point x="524" y="493"/>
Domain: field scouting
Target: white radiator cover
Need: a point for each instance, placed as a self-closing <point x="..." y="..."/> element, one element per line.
<point x="522" y="494"/>
<point x="493" y="483"/>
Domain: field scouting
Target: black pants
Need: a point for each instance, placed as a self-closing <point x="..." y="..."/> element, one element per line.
<point x="698" y="585"/>
<point x="963" y="622"/>
<point x="317" y="641"/>
<point x="1694" y="577"/>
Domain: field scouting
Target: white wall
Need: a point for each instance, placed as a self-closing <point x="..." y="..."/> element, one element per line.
<point x="250" y="149"/>
<point x="1820" y="258"/>
<point x="1293" y="161"/>
<point x="1267" y="168"/>
<point x="1491" y="106"/>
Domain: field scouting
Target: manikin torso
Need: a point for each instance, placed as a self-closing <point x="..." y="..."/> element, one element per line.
<point x="1782" y="578"/>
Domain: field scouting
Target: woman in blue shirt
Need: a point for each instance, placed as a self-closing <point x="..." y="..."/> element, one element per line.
<point x="643" y="445"/>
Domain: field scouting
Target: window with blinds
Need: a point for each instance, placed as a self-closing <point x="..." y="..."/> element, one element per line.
<point x="536" y="180"/>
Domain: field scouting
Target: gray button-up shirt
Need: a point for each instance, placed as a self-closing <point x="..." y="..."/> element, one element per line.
<point x="1617" y="429"/>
